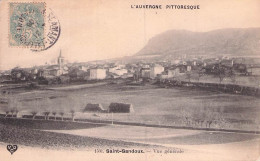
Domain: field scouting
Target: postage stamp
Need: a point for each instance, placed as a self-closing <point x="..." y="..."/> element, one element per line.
<point x="27" y="24"/>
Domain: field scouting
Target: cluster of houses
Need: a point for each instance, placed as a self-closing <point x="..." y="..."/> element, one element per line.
<point x="138" y="71"/>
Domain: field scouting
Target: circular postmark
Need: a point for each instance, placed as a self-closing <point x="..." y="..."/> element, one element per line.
<point x="52" y="29"/>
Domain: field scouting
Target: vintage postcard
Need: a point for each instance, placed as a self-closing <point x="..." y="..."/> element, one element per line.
<point x="144" y="80"/>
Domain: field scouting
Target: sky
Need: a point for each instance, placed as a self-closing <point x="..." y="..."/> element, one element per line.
<point x="104" y="29"/>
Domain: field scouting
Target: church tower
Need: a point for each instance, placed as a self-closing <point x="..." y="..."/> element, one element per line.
<point x="60" y="60"/>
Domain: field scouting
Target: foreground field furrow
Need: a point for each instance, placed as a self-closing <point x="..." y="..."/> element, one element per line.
<point x="13" y="134"/>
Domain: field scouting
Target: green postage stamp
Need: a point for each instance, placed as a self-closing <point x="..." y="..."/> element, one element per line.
<point x="26" y="22"/>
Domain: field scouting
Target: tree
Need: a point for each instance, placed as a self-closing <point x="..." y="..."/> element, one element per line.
<point x="188" y="76"/>
<point x="12" y="105"/>
<point x="233" y="79"/>
<point x="37" y="105"/>
<point x="186" y="116"/>
<point x="200" y="73"/>
<point x="54" y="114"/>
<point x="6" y="113"/>
<point x="72" y="114"/>
<point x="232" y="76"/>
<point x="46" y="106"/>
<point x="62" y="114"/>
<point x="12" y="112"/>
<point x="16" y="111"/>
<point x="34" y="114"/>
<point x="214" y="114"/>
<point x="46" y="115"/>
<point x="198" y="115"/>
<point x="221" y="73"/>
<point x="73" y="104"/>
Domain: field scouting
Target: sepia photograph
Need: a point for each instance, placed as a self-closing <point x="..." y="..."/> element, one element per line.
<point x="130" y="80"/>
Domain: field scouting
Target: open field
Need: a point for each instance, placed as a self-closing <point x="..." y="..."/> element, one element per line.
<point x="250" y="81"/>
<point x="162" y="136"/>
<point x="79" y="140"/>
<point x="152" y="105"/>
<point x="29" y="133"/>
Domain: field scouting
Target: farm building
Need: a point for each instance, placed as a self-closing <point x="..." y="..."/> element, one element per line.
<point x="118" y="71"/>
<point x="145" y="72"/>
<point x="120" y="108"/>
<point x="155" y="70"/>
<point x="90" y="107"/>
<point x="97" y="74"/>
<point x="177" y="71"/>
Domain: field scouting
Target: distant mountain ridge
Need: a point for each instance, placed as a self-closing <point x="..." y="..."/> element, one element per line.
<point x="232" y="41"/>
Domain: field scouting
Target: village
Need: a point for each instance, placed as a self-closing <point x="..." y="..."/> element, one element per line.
<point x="220" y="70"/>
<point x="64" y="89"/>
<point x="190" y="96"/>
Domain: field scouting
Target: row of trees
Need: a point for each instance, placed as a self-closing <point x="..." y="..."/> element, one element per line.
<point x="14" y="113"/>
<point x="221" y="72"/>
<point x="42" y="106"/>
<point x="215" y="117"/>
<point x="204" y="117"/>
<point x="54" y="114"/>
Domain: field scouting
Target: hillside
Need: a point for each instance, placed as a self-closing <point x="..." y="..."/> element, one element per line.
<point x="235" y="42"/>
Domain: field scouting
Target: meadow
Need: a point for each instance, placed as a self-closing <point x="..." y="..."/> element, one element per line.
<point x="152" y="105"/>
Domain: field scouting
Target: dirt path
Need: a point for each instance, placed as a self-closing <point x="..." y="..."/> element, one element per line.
<point x="73" y="87"/>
